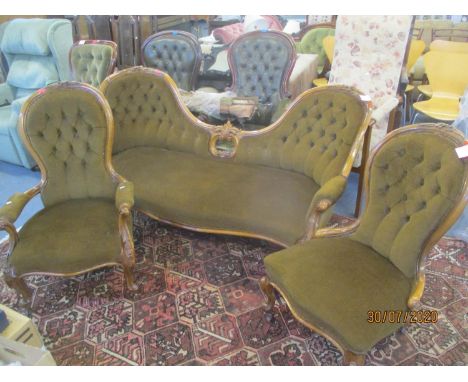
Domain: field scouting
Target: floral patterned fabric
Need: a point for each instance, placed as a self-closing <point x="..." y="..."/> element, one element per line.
<point x="369" y="54"/>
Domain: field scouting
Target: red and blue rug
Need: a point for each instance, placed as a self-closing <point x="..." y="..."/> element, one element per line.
<point x="199" y="303"/>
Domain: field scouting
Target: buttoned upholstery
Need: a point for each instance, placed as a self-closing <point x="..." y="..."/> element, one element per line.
<point x="92" y="61"/>
<point x="415" y="181"/>
<point x="36" y="51"/>
<point x="311" y="43"/>
<point x="68" y="129"/>
<point x="163" y="150"/>
<point x="314" y="138"/>
<point x="176" y="53"/>
<point x="417" y="187"/>
<point x="261" y="63"/>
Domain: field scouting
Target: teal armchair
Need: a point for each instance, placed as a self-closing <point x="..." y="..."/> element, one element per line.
<point x="36" y="52"/>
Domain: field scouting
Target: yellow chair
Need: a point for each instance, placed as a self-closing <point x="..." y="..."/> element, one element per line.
<point x="443" y="46"/>
<point x="329" y="47"/>
<point x="448" y="77"/>
<point x="416" y="49"/>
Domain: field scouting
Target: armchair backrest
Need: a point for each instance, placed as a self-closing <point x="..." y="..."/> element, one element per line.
<point x="261" y="63"/>
<point x="92" y="60"/>
<point x="416" y="188"/>
<point x="68" y="129"/>
<point x="312" y="42"/>
<point x="175" y="52"/>
<point x="36" y="51"/>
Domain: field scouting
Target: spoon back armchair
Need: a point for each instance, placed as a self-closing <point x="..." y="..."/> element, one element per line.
<point x="86" y="222"/>
<point x="417" y="187"/>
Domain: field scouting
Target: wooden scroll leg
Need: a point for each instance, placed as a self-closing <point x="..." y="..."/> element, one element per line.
<point x="353" y="358"/>
<point x="267" y="288"/>
<point x="19" y="285"/>
<point x="129" y="277"/>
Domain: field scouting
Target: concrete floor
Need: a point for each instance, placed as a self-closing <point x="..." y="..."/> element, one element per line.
<point x="18" y="179"/>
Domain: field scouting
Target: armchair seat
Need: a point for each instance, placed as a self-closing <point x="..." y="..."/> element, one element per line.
<point x="69" y="237"/>
<point x="213" y="194"/>
<point x="334" y="282"/>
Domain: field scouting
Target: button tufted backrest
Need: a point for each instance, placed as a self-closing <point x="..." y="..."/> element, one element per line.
<point x="314" y="137"/>
<point x="312" y="42"/>
<point x="92" y="60"/>
<point x="415" y="181"/>
<point x="67" y="127"/>
<point x="176" y="53"/>
<point x="148" y="112"/>
<point x="261" y="63"/>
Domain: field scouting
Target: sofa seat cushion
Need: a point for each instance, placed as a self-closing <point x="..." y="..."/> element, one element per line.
<point x="213" y="194"/>
<point x="68" y="237"/>
<point x="332" y="283"/>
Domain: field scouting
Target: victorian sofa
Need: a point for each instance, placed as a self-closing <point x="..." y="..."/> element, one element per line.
<point x="279" y="183"/>
<point x="36" y="51"/>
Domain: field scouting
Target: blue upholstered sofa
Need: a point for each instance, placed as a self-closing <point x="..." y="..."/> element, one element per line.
<point x="36" y="52"/>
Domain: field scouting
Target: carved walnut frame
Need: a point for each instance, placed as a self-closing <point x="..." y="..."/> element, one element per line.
<point x="259" y="33"/>
<point x="127" y="255"/>
<point x="112" y="62"/>
<point x="419" y="276"/>
<point x="188" y="37"/>
<point x="234" y="135"/>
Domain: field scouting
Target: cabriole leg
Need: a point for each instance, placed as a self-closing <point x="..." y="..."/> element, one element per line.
<point x="267" y="288"/>
<point x="350" y="358"/>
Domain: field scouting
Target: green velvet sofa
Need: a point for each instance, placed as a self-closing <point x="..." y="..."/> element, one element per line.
<point x="279" y="183"/>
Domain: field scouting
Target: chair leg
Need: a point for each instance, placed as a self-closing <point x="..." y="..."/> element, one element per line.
<point x="267" y="288"/>
<point x="129" y="278"/>
<point x="352" y="358"/>
<point x="19" y="285"/>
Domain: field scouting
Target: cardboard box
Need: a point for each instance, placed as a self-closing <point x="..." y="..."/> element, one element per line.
<point x="16" y="353"/>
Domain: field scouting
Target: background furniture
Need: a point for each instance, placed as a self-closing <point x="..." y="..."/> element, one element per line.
<point x="448" y="77"/>
<point x="371" y="60"/>
<point x="166" y="151"/>
<point x="176" y="53"/>
<point x="311" y="41"/>
<point x="92" y="60"/>
<point x="36" y="52"/>
<point x="417" y="187"/>
<point x="329" y="48"/>
<point x="86" y="222"/>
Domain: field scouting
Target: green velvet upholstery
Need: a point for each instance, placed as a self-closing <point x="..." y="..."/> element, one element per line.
<point x="92" y="61"/>
<point x="69" y="237"/>
<point x="333" y="283"/>
<point x="214" y="194"/>
<point x="414" y="184"/>
<point x="68" y="129"/>
<point x="36" y="51"/>
<point x="415" y="181"/>
<point x="311" y="43"/>
<point x="163" y="150"/>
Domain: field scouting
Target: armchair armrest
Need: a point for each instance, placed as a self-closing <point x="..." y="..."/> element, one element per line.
<point x="17" y="104"/>
<point x="11" y="210"/>
<point x="325" y="197"/>
<point x="6" y="94"/>
<point x="124" y="199"/>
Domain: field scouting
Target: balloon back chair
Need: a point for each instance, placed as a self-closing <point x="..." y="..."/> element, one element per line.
<point x="92" y="60"/>
<point x="175" y="52"/>
<point x="86" y="221"/>
<point x="417" y="187"/>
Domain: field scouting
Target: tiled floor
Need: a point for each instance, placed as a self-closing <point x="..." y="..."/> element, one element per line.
<point x="18" y="179"/>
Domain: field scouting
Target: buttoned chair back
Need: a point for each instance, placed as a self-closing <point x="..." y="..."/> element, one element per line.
<point x="36" y="52"/>
<point x="416" y="188"/>
<point x="66" y="128"/>
<point x="312" y="43"/>
<point x="261" y="63"/>
<point x="92" y="60"/>
<point x="175" y="52"/>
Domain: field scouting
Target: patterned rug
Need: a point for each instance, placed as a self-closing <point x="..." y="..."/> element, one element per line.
<point x="199" y="303"/>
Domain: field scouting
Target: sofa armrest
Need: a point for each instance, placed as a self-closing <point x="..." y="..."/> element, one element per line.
<point x="323" y="200"/>
<point x="124" y="199"/>
<point x="6" y="94"/>
<point x="17" y="104"/>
